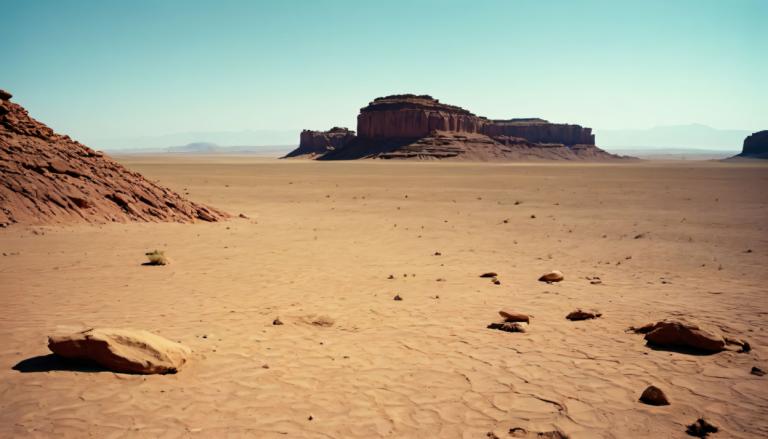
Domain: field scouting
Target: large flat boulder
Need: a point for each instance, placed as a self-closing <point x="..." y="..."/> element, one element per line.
<point x="122" y="350"/>
<point x="682" y="334"/>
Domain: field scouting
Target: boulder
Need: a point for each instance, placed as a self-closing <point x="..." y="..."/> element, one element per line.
<point x="122" y="350"/>
<point x="313" y="143"/>
<point x="552" y="276"/>
<point x="507" y="327"/>
<point x="682" y="334"/>
<point x="580" y="314"/>
<point x="5" y="96"/>
<point x="652" y="395"/>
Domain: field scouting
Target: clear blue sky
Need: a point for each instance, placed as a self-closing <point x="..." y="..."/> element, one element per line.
<point x="106" y="69"/>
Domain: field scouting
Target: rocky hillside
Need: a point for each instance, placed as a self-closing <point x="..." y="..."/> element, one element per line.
<point x="49" y="178"/>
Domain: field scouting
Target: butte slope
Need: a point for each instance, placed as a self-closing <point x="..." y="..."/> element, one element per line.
<point x="48" y="178"/>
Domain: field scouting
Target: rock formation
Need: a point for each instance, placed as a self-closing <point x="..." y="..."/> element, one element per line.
<point x="421" y="127"/>
<point x="313" y="143"/>
<point x="755" y="146"/>
<point x="49" y="178"/>
<point x="122" y="350"/>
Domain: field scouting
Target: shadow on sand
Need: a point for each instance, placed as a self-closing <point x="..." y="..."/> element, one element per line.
<point x="52" y="362"/>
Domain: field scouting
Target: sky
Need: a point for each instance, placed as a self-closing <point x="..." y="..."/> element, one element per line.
<point x="101" y="70"/>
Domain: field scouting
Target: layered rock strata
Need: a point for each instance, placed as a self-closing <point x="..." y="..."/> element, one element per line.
<point x="49" y="178"/>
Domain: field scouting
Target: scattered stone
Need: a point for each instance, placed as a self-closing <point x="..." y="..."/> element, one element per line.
<point x="496" y="281"/>
<point x="533" y="216"/>
<point x="641" y="235"/>
<point x="265" y="366"/>
<point x="323" y="320"/>
<point x="438" y="254"/>
<point x="580" y="314"/>
<point x="523" y="433"/>
<point x="244" y="216"/>
<point x="507" y="327"/>
<point x="391" y="276"/>
<point x="156" y="257"/>
<point x="489" y="274"/>
<point x="122" y="350"/>
<point x="552" y="276"/>
<point x="512" y="316"/>
<point x="654" y="396"/>
<point x="277" y="321"/>
<point x="701" y="428"/>
<point x="680" y="334"/>
<point x="397" y="297"/>
<point x="757" y="371"/>
<point x="440" y="279"/>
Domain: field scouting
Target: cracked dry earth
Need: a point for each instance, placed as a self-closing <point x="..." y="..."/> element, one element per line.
<point x="322" y="239"/>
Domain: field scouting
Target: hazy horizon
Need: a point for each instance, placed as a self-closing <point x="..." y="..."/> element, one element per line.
<point x="99" y="71"/>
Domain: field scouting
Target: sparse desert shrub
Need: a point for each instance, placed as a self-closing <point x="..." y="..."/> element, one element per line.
<point x="156" y="257"/>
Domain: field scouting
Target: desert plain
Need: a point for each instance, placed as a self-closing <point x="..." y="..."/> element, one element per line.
<point x="325" y="246"/>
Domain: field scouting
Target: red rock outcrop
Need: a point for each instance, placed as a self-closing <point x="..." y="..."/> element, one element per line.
<point x="540" y="131"/>
<point x="418" y="126"/>
<point x="314" y="143"/>
<point x="756" y="146"/>
<point x="410" y="116"/>
<point x="49" y="178"/>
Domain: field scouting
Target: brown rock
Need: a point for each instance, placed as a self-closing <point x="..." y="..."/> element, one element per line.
<point x="654" y="396"/>
<point x="489" y="274"/>
<point x="681" y="334"/>
<point x="49" y="178"/>
<point x="507" y="327"/>
<point x="5" y="96"/>
<point x="520" y="432"/>
<point x="122" y="350"/>
<point x="313" y="143"/>
<point x="552" y="276"/>
<point x="757" y="371"/>
<point x="512" y="316"/>
<point x="701" y="428"/>
<point x="277" y="321"/>
<point x="397" y="297"/>
<point x="580" y="314"/>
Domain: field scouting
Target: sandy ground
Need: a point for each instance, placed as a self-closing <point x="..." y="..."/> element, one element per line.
<point x="322" y="240"/>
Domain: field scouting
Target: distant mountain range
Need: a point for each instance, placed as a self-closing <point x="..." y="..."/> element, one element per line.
<point x="196" y="141"/>
<point x="677" y="137"/>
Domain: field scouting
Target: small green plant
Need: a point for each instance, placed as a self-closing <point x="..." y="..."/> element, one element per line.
<point x="156" y="257"/>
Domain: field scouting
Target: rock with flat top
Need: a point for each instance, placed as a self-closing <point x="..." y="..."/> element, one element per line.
<point x="682" y="334"/>
<point x="122" y="350"/>
<point x="512" y="316"/>
<point x="581" y="314"/>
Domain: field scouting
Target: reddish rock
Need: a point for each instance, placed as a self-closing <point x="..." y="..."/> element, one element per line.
<point x="580" y="314"/>
<point x="49" y="178"/>
<point x="512" y="316"/>
<point x="122" y="350"/>
<point x="411" y="116"/>
<point x="540" y="131"/>
<point x="652" y="395"/>
<point x="313" y="143"/>
<point x="420" y="127"/>
<point x="680" y="334"/>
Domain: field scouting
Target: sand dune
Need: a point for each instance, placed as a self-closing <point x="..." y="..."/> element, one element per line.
<point x="323" y="238"/>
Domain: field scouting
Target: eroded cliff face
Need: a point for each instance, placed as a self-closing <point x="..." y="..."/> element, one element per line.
<point x="50" y="178"/>
<point x="419" y="126"/>
<point x="313" y="143"/>
<point x="540" y="131"/>
<point x="413" y="116"/>
<point x="756" y="145"/>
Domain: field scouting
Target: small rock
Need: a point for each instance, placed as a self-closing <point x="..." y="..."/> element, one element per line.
<point x="489" y="274"/>
<point x="512" y="316"/>
<point x="640" y="235"/>
<point x="654" y="396"/>
<point x="757" y="371"/>
<point x="397" y="297"/>
<point x="277" y="321"/>
<point x="391" y="276"/>
<point x="701" y="428"/>
<point x="5" y="96"/>
<point x="438" y="254"/>
<point x="552" y="276"/>
<point x="507" y="327"/>
<point x="439" y="279"/>
<point x="496" y="281"/>
<point x="580" y="314"/>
